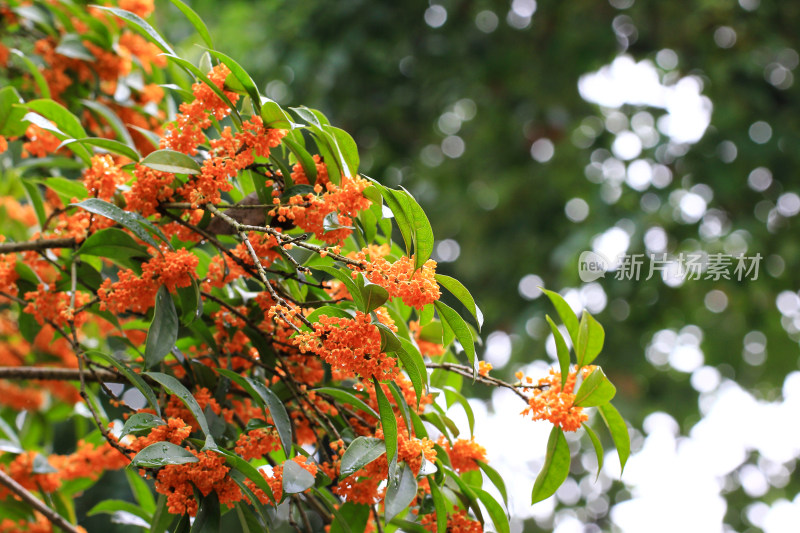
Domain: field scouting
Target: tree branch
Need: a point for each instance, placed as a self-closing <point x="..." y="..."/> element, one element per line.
<point x="26" y="496"/>
<point x="37" y="245"/>
<point x="60" y="374"/>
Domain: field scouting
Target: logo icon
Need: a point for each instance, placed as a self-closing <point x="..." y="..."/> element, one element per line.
<point x="591" y="266"/>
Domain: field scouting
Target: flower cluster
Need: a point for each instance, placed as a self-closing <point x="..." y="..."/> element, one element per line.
<point x="416" y="287"/>
<point x="352" y="346"/>
<point x="464" y="454"/>
<point x="549" y="401"/>
<point x="309" y="211"/>
<point x="137" y="293"/>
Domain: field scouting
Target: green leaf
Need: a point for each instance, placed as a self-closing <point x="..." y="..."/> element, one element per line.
<point x="441" y="504"/>
<point x="139" y="23"/>
<point x="11" y="113"/>
<point x="161" y="454"/>
<point x="452" y="395"/>
<point x="141" y="492"/>
<point x="400" y="491"/>
<point x="348" y="150"/>
<point x="248" y="470"/>
<point x="109" y="145"/>
<point x="460" y="329"/>
<point x="348" y="282"/>
<point x="598" y="448"/>
<point x="327" y="310"/>
<point x="134" y="378"/>
<point x="389" y="423"/>
<point x="348" y="398"/>
<point x="411" y="220"/>
<point x="171" y="161"/>
<point x="361" y="452"/>
<point x="566" y="313"/>
<point x="590" y="339"/>
<point x="555" y="469"/>
<point x="400" y="402"/>
<point x="265" y="397"/>
<point x="141" y="422"/>
<point x="306" y="114"/>
<point x="390" y="342"/>
<point x="296" y="478"/>
<point x="496" y="512"/>
<point x="66" y="188"/>
<point x="196" y="21"/>
<point x="71" y="46"/>
<point x="161" y="518"/>
<point x="113" y="120"/>
<point x="35" y="196"/>
<point x="595" y="390"/>
<point x="373" y="296"/>
<point x="352" y="517"/>
<point x="173" y="386"/>
<point x="191" y="302"/>
<point x="303" y="157"/>
<point x="133" y="221"/>
<point x="619" y="432"/>
<point x="163" y="332"/>
<point x="60" y="115"/>
<point x="273" y="115"/>
<point x="208" y="516"/>
<point x="414" y="366"/>
<point x="561" y="349"/>
<point x="460" y="291"/>
<point x="495" y="478"/>
<point x="241" y="76"/>
<point x="116" y="245"/>
<point x="113" y="506"/>
<point x="33" y="70"/>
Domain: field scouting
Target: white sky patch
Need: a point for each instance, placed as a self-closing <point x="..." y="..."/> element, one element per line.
<point x="625" y="81"/>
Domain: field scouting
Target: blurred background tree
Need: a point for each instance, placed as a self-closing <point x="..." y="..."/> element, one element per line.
<point x="532" y="132"/>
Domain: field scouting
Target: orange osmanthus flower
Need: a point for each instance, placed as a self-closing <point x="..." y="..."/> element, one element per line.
<point x="552" y="403"/>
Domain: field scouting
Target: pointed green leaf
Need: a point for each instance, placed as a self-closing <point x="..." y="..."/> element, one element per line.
<point x="173" y="386"/>
<point x="460" y="291"/>
<point x="241" y="76"/>
<point x="598" y="448"/>
<point x="348" y="150"/>
<point x="389" y="423"/>
<point x="141" y="25"/>
<point x="133" y="221"/>
<point x="171" y="161"/>
<point x="495" y="478"/>
<point x="568" y="316"/>
<point x="109" y="145"/>
<point x="414" y="366"/>
<point x="141" y="422"/>
<point x="248" y="470"/>
<point x="348" y="398"/>
<point x="460" y="329"/>
<point x="296" y="478"/>
<point x="400" y="491"/>
<point x="11" y="113"/>
<point x="441" y="504"/>
<point x="590" y="339"/>
<point x="134" y="378"/>
<point x="496" y="512"/>
<point x="595" y="390"/>
<point x="619" y="431"/>
<point x="361" y="452"/>
<point x="161" y="454"/>
<point x="561" y="350"/>
<point x="555" y="469"/>
<point x="196" y="21"/>
<point x="163" y="332"/>
<point x="373" y="296"/>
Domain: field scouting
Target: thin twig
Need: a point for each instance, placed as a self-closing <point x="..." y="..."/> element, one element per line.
<point x="26" y="496"/>
<point x="486" y="380"/>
